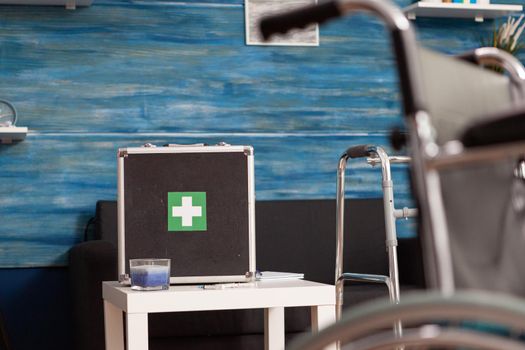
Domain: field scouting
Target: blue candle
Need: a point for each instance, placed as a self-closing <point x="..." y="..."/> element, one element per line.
<point x="149" y="277"/>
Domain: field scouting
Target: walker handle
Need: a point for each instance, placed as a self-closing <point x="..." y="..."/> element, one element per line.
<point x="360" y="151"/>
<point x="300" y="18"/>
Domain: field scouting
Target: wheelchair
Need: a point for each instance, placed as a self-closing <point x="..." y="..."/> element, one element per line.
<point x="466" y="139"/>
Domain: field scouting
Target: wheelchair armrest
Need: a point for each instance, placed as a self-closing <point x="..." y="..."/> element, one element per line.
<point x="503" y="128"/>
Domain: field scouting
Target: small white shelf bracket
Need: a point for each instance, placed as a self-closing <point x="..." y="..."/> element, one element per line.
<point x="10" y="134"/>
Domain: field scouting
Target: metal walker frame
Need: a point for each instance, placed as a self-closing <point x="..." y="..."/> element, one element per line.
<point x="375" y="155"/>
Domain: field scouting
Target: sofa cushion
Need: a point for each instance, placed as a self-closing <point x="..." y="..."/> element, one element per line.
<point x="299" y="236"/>
<point x="90" y="263"/>
<point x="106" y="223"/>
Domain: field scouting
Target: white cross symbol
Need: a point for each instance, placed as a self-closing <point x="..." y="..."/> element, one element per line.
<point x="187" y="211"/>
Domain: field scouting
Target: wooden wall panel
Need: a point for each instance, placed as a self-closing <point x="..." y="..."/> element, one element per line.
<point x="151" y="68"/>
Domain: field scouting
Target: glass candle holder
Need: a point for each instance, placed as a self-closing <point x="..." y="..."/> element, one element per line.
<point x="149" y="274"/>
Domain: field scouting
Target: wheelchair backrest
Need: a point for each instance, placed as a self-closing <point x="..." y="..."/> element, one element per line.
<point x="481" y="202"/>
<point x="459" y="93"/>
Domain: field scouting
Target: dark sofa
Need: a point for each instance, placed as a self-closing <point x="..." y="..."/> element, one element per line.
<point x="292" y="235"/>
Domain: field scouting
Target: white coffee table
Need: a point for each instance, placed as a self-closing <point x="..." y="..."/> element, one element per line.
<point x="272" y="296"/>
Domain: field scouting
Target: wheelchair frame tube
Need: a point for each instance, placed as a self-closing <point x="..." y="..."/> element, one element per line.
<point x="431" y="206"/>
<point x="436" y="337"/>
<point x="422" y="143"/>
<point x="420" y="308"/>
<point x="423" y="146"/>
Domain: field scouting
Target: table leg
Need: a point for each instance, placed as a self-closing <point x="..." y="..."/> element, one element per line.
<point x="322" y="317"/>
<point x="137" y="331"/>
<point x="274" y="328"/>
<point x="113" y="327"/>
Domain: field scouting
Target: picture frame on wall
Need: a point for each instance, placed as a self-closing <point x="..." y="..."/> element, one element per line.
<point x="255" y="10"/>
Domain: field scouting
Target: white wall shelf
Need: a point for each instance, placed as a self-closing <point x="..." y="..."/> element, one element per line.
<point x="69" y="4"/>
<point x="477" y="11"/>
<point x="11" y="134"/>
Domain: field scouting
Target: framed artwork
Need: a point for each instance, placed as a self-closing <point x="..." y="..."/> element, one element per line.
<point x="255" y="10"/>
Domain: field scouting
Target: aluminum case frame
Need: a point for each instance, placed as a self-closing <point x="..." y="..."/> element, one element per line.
<point x="199" y="148"/>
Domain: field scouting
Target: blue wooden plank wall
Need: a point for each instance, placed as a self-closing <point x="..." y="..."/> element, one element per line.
<point x="123" y="73"/>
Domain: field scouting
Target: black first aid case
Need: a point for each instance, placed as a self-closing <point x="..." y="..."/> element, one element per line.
<point x="193" y="204"/>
